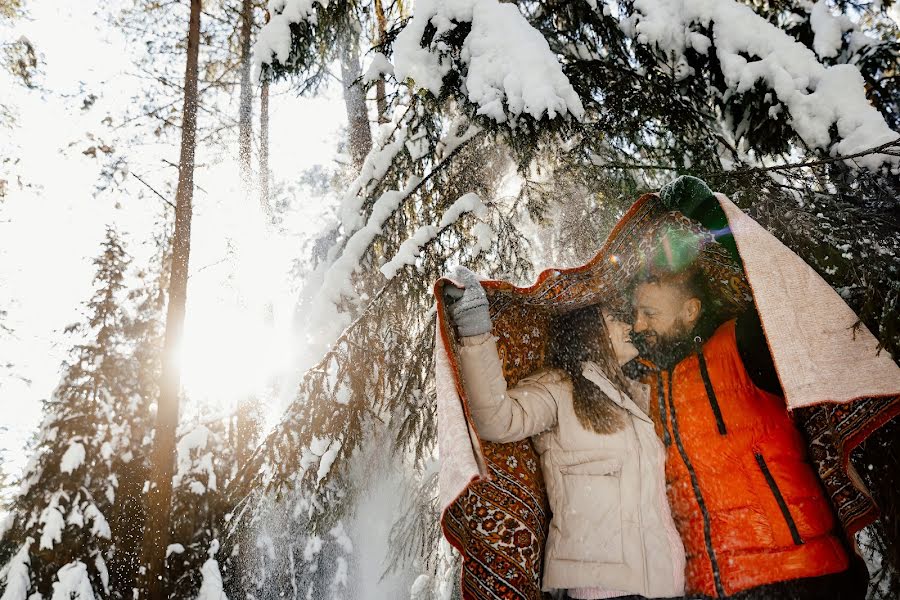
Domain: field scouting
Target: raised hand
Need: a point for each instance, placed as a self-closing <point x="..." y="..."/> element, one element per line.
<point x="467" y="305"/>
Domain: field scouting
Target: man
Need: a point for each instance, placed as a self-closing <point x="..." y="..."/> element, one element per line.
<point x="750" y="509"/>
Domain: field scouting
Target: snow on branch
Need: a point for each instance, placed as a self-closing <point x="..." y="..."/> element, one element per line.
<point x="751" y="50"/>
<point x="73" y="582"/>
<point x="211" y="587"/>
<point x="828" y="30"/>
<point x="17" y="575"/>
<point x="73" y="457"/>
<point x="274" y="39"/>
<point x="374" y="168"/>
<point x="337" y="280"/>
<point x="411" y="248"/>
<point x="509" y="69"/>
<point x="378" y="68"/>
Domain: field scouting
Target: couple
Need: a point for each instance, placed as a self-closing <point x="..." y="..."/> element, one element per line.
<point x="671" y="464"/>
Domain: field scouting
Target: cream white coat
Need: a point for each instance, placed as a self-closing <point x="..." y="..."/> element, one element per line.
<point x="611" y="525"/>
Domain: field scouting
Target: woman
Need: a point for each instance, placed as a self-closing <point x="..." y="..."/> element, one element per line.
<point x="611" y="534"/>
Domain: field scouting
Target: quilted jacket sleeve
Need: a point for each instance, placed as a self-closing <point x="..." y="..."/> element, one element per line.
<point x="501" y="414"/>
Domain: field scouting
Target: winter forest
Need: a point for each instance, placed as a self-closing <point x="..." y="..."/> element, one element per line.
<point x="221" y="222"/>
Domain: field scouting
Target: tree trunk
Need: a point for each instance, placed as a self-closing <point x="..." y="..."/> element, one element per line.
<point x="245" y="113"/>
<point x="264" y="149"/>
<point x="380" y="94"/>
<point x="159" y="497"/>
<point x="359" y="135"/>
<point x="245" y="152"/>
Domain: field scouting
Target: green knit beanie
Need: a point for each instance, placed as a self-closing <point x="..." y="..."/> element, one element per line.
<point x="686" y="194"/>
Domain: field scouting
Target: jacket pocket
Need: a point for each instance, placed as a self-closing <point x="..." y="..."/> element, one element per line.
<point x="782" y="505"/>
<point x="591" y="520"/>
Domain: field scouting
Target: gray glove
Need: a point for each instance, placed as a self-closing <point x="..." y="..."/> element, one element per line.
<point x="468" y="305"/>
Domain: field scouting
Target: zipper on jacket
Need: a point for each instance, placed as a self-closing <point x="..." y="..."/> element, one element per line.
<point x="795" y="535"/>
<point x="667" y="441"/>
<point x="707" y="530"/>
<point x="711" y="393"/>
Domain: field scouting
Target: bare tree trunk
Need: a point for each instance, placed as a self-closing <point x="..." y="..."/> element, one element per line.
<point x="360" y="136"/>
<point x="245" y="152"/>
<point x="264" y="149"/>
<point x="380" y="94"/>
<point x="245" y="113"/>
<point x="159" y="497"/>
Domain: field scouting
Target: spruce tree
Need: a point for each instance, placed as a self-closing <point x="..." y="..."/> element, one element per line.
<point x="60" y="530"/>
<point x="104" y="403"/>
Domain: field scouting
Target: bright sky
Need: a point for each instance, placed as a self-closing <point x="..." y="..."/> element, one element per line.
<point x="49" y="235"/>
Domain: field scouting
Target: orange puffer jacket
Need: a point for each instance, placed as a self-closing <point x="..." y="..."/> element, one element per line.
<point x="746" y="501"/>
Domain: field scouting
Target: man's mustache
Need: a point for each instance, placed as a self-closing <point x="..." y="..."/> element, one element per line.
<point x="643" y="339"/>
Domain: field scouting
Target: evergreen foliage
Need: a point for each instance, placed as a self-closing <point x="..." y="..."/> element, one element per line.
<point x="61" y="522"/>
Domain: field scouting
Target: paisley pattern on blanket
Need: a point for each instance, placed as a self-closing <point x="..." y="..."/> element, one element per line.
<point x="833" y="431"/>
<point x="502" y="524"/>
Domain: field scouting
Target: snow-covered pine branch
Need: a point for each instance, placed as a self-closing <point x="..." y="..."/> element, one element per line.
<point x="411" y="248"/>
<point x="751" y="50"/>
<point x="507" y="68"/>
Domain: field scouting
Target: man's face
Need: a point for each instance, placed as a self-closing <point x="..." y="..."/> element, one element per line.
<point x="664" y="313"/>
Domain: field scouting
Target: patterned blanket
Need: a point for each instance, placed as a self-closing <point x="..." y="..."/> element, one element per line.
<point x="495" y="510"/>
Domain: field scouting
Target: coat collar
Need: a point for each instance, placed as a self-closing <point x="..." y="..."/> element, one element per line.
<point x="592" y="373"/>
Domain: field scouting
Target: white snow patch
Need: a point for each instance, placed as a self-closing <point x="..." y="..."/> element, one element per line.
<point x="274" y="39"/>
<point x="827" y="30"/>
<point x="464" y="204"/>
<point x="191" y="462"/>
<point x="73" y="583"/>
<point x="411" y="248"/>
<point x="75" y="517"/>
<point x="106" y="450"/>
<point x="509" y="67"/>
<point x="211" y="588"/>
<point x="72" y="458"/>
<point x="378" y="68"/>
<point x="374" y="167"/>
<point x="18" y="579"/>
<point x="816" y="96"/>
<point x="103" y="572"/>
<point x="328" y="459"/>
<point x="53" y="524"/>
<point x="6" y="523"/>
<point x="337" y="279"/>
<point x="174" y="549"/>
<point x="99" y="525"/>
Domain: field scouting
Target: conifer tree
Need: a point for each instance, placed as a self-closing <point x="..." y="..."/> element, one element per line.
<point x="60" y="529"/>
<point x="114" y="404"/>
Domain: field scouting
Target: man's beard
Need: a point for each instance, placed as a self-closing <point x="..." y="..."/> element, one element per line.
<point x="664" y="350"/>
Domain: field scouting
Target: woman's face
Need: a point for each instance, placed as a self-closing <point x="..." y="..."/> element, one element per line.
<point x="620" y="336"/>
